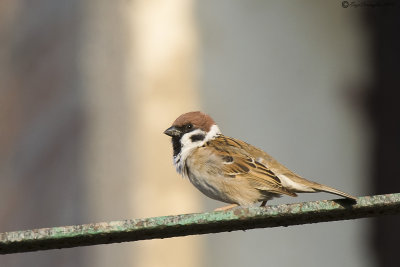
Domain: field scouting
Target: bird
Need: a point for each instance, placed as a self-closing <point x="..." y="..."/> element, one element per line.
<point x="230" y="170"/>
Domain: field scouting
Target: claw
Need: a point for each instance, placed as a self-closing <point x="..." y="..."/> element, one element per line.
<point x="227" y="207"/>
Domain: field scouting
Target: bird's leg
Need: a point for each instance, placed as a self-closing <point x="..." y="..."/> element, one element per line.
<point x="263" y="204"/>
<point x="227" y="207"/>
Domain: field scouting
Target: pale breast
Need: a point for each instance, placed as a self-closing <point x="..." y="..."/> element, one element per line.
<point x="204" y="172"/>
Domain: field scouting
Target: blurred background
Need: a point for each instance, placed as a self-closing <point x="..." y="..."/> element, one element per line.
<point x="87" y="88"/>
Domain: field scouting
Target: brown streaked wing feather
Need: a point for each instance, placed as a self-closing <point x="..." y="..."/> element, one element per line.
<point x="272" y="164"/>
<point x="268" y="166"/>
<point x="239" y="164"/>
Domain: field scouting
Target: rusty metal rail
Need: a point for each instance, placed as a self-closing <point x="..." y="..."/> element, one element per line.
<point x="198" y="223"/>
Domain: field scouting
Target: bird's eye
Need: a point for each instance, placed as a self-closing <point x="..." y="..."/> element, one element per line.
<point x="189" y="126"/>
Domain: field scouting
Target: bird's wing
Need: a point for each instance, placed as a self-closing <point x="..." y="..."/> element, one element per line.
<point x="238" y="163"/>
<point x="269" y="172"/>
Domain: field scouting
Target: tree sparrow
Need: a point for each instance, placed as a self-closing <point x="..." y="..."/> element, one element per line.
<point x="230" y="170"/>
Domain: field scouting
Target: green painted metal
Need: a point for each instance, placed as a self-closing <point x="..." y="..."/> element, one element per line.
<point x="199" y="223"/>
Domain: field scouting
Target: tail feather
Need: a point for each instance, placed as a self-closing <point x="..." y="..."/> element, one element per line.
<point x="327" y="189"/>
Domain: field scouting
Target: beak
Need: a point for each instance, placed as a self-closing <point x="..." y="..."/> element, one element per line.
<point x="172" y="131"/>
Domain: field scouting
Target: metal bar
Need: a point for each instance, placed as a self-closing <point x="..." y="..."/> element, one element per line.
<point x="198" y="223"/>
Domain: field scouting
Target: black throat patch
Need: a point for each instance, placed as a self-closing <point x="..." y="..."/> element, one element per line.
<point x="176" y="145"/>
<point x="176" y="140"/>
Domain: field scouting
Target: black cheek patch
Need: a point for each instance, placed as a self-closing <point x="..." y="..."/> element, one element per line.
<point x="197" y="137"/>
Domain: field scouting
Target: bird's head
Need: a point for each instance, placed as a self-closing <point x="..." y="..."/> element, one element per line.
<point x="191" y="130"/>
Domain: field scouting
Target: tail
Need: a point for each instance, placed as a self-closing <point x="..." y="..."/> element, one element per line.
<point x="327" y="189"/>
<point x="298" y="184"/>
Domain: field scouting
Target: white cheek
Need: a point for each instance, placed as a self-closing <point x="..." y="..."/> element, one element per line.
<point x="188" y="144"/>
<point x="187" y="147"/>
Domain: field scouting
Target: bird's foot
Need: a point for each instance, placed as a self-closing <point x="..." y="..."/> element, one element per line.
<point x="227" y="207"/>
<point x="263" y="204"/>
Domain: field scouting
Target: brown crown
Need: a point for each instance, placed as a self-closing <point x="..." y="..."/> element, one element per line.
<point x="197" y="119"/>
